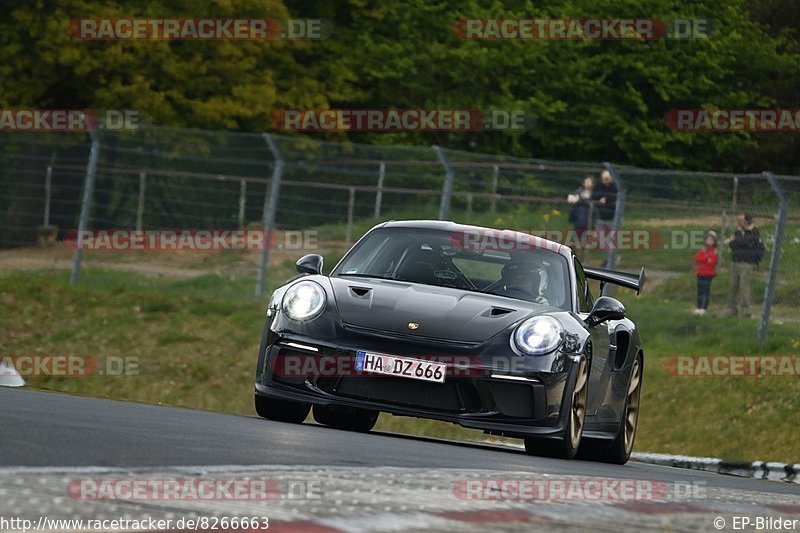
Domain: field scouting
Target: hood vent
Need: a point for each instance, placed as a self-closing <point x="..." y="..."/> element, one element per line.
<point x="500" y="311"/>
<point x="360" y="292"/>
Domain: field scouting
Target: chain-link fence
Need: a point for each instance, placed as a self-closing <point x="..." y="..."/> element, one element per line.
<point x="61" y="192"/>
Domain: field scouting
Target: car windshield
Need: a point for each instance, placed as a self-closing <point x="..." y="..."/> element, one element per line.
<point x="479" y="263"/>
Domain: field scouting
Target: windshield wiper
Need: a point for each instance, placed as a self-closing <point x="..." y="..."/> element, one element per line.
<point x="376" y="276"/>
<point x="362" y="275"/>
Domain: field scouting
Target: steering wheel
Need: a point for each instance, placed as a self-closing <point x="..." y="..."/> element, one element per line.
<point x="516" y="292"/>
<point x="449" y="266"/>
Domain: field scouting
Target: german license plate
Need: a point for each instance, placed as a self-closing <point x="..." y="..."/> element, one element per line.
<point x="404" y="367"/>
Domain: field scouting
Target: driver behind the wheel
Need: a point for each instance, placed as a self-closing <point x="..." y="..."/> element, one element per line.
<point x="521" y="280"/>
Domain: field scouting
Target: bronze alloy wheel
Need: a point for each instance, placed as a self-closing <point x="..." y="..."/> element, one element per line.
<point x="579" y="395"/>
<point x="632" y="404"/>
<point x="619" y="450"/>
<point x="567" y="447"/>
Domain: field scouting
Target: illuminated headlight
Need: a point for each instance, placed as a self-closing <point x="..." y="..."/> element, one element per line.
<point x="303" y="301"/>
<point x="537" y="336"/>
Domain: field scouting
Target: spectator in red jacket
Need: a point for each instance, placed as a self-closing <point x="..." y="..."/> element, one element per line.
<point x="705" y="266"/>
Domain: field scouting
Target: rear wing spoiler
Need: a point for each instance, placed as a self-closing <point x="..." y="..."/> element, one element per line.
<point x="623" y="279"/>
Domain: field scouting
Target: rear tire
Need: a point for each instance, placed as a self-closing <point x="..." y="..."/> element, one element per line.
<point x="567" y="447"/>
<point x="281" y="410"/>
<point x="347" y="418"/>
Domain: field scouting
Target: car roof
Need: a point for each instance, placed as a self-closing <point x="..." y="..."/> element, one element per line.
<point x="449" y="225"/>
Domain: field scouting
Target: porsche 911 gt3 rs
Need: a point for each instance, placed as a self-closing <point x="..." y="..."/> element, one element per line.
<point x="489" y="329"/>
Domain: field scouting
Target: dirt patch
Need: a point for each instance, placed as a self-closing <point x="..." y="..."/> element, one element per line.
<point x="175" y="264"/>
<point x="710" y="222"/>
<point x="654" y="278"/>
<point x="9" y="264"/>
<point x="706" y="221"/>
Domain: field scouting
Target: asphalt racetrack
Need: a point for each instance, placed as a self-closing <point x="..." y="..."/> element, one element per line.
<point x="323" y="479"/>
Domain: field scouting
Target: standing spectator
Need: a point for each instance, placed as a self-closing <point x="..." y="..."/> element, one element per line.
<point x="580" y="201"/>
<point x="604" y="196"/>
<point x="705" y="266"/>
<point x="747" y="250"/>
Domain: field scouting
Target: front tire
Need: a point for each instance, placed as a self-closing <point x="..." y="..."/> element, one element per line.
<point x="281" y="410"/>
<point x="567" y="447"/>
<point x="619" y="451"/>
<point x="347" y="418"/>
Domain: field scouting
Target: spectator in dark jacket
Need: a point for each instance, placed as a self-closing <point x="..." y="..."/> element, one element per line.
<point x="746" y="250"/>
<point x="604" y="196"/>
<point x="579" y="202"/>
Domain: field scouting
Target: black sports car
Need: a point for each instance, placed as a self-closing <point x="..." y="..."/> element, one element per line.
<point x="494" y="330"/>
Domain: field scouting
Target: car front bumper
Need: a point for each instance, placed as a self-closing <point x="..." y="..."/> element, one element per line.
<point x="492" y="396"/>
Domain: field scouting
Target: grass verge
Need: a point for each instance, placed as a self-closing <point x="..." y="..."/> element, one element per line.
<point x="196" y="342"/>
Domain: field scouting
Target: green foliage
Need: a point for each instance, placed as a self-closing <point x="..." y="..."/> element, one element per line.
<point x="206" y="84"/>
<point x="199" y="351"/>
<point x="594" y="100"/>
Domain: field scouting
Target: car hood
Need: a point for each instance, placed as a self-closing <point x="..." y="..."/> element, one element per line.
<point x="439" y="312"/>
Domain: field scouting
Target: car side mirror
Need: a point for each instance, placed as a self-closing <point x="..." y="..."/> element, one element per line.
<point x="309" y="264"/>
<point x="605" y="308"/>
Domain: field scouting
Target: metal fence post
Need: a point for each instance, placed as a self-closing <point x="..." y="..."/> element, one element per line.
<point x="619" y="210"/>
<point x="722" y="236"/>
<point x="775" y="258"/>
<point x="351" y="205"/>
<point x="140" y="204"/>
<point x="379" y="193"/>
<point x="495" y="179"/>
<point x="447" y="189"/>
<point x="242" y="202"/>
<point x="47" y="189"/>
<point x="86" y="206"/>
<point x="270" y="207"/>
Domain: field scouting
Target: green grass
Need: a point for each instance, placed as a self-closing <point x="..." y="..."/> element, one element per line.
<point x="196" y="337"/>
<point x="196" y="343"/>
<point x="191" y="343"/>
<point x="732" y="417"/>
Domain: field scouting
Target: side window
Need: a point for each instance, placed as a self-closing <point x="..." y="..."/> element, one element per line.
<point x="585" y="300"/>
